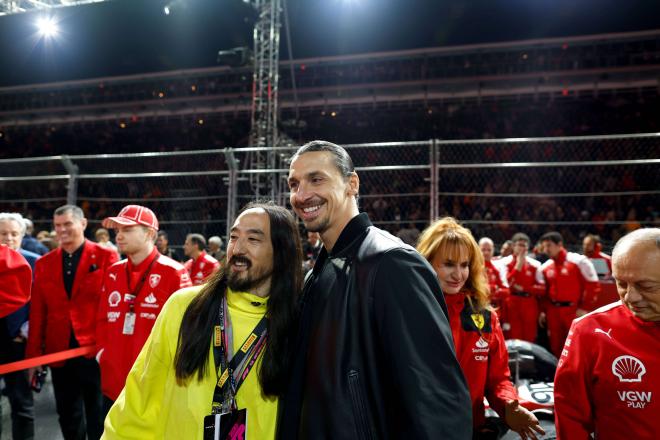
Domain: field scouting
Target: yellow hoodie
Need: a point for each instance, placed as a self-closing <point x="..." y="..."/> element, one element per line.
<point x="153" y="406"/>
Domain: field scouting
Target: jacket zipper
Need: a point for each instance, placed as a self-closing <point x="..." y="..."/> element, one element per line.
<point x="361" y="417"/>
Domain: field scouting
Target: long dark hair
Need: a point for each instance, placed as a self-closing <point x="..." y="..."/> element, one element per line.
<point x="196" y="331"/>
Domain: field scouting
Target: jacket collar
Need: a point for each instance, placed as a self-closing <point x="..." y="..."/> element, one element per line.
<point x="354" y="230"/>
<point x="561" y="256"/>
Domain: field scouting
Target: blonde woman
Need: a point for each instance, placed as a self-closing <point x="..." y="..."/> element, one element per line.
<point x="480" y="348"/>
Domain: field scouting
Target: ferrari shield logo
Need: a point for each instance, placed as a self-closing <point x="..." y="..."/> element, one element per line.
<point x="154" y="280"/>
<point x="478" y="320"/>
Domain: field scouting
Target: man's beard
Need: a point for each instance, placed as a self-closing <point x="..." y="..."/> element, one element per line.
<point x="323" y="223"/>
<point x="321" y="227"/>
<point x="239" y="283"/>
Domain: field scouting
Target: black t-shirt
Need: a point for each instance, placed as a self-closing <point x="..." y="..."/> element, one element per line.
<point x="69" y="266"/>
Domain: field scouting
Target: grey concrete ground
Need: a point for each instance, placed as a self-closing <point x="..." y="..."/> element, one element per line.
<point x="45" y="423"/>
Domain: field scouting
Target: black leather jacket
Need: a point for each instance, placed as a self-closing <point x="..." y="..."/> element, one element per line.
<point x="374" y="356"/>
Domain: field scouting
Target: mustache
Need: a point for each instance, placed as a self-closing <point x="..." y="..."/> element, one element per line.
<point x="240" y="259"/>
<point x="312" y="202"/>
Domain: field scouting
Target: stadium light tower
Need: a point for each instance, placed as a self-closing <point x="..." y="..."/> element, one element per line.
<point x="8" y="7"/>
<point x="264" y="133"/>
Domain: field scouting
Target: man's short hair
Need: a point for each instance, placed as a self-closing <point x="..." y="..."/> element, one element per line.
<point x="552" y="236"/>
<point x="639" y="235"/>
<point x="486" y="240"/>
<point x="73" y="209"/>
<point x="101" y="231"/>
<point x="163" y="234"/>
<point x="16" y="217"/>
<point x="198" y="240"/>
<point x="521" y="236"/>
<point x="215" y="240"/>
<point x="343" y="161"/>
<point x="29" y="226"/>
<point x="594" y="237"/>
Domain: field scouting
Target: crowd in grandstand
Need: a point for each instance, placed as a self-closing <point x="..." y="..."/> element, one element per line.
<point x="572" y="115"/>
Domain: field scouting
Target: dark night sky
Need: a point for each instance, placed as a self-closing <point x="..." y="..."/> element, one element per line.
<point x="133" y="36"/>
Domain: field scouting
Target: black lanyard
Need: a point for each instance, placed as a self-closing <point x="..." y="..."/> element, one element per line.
<point x="138" y="286"/>
<point x="242" y="361"/>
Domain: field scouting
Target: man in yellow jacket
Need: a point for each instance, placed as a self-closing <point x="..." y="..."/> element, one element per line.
<point x="220" y="347"/>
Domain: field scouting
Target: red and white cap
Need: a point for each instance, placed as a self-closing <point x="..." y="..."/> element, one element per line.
<point x="132" y="215"/>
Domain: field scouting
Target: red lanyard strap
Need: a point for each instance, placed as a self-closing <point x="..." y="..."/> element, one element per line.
<point x="134" y="293"/>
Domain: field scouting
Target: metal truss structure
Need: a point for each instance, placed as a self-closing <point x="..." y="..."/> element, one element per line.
<point x="264" y="133"/>
<point x="17" y="6"/>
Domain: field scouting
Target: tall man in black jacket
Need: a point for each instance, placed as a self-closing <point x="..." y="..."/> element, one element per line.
<point x="374" y="356"/>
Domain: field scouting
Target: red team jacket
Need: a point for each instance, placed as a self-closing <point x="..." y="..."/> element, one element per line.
<point x="522" y="305"/>
<point x="482" y="353"/>
<point x="52" y="314"/>
<point x="570" y="278"/>
<point x="608" y="378"/>
<point x="524" y="280"/>
<point x="201" y="268"/>
<point x="499" y="288"/>
<point x="15" y="281"/>
<point x="120" y="350"/>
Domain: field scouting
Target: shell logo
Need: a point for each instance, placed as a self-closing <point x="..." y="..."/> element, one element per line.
<point x="114" y="299"/>
<point x="628" y="369"/>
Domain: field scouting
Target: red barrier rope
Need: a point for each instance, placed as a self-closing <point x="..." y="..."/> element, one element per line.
<point x="46" y="359"/>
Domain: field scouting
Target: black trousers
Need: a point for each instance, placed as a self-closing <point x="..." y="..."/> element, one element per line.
<point x="107" y="404"/>
<point x="19" y="393"/>
<point x="78" y="399"/>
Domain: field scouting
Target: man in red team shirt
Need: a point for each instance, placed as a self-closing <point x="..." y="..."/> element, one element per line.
<point x="592" y="248"/>
<point x="571" y="287"/>
<point x="522" y="306"/>
<point x="201" y="265"/>
<point x="608" y="378"/>
<point x="134" y="292"/>
<point x="499" y="288"/>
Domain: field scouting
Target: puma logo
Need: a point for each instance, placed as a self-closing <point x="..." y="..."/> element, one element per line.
<point x="113" y="276"/>
<point x="607" y="333"/>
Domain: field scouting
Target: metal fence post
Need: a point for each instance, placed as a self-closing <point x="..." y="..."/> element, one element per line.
<point x="72" y="186"/>
<point x="232" y="187"/>
<point x="434" y="210"/>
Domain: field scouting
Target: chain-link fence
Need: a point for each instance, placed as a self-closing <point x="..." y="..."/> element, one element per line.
<point x="599" y="184"/>
<point x="606" y="185"/>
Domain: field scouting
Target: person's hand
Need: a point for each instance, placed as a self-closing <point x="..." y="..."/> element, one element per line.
<point x="542" y="320"/>
<point x="521" y="420"/>
<point x="34" y="370"/>
<point x="520" y="260"/>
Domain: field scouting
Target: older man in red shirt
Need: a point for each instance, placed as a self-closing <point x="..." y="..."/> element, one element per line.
<point x="608" y="378"/>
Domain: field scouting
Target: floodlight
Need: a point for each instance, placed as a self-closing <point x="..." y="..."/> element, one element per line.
<point x="166" y="10"/>
<point x="47" y="27"/>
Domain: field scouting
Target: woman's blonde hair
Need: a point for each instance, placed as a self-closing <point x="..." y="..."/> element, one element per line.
<point x="447" y="237"/>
